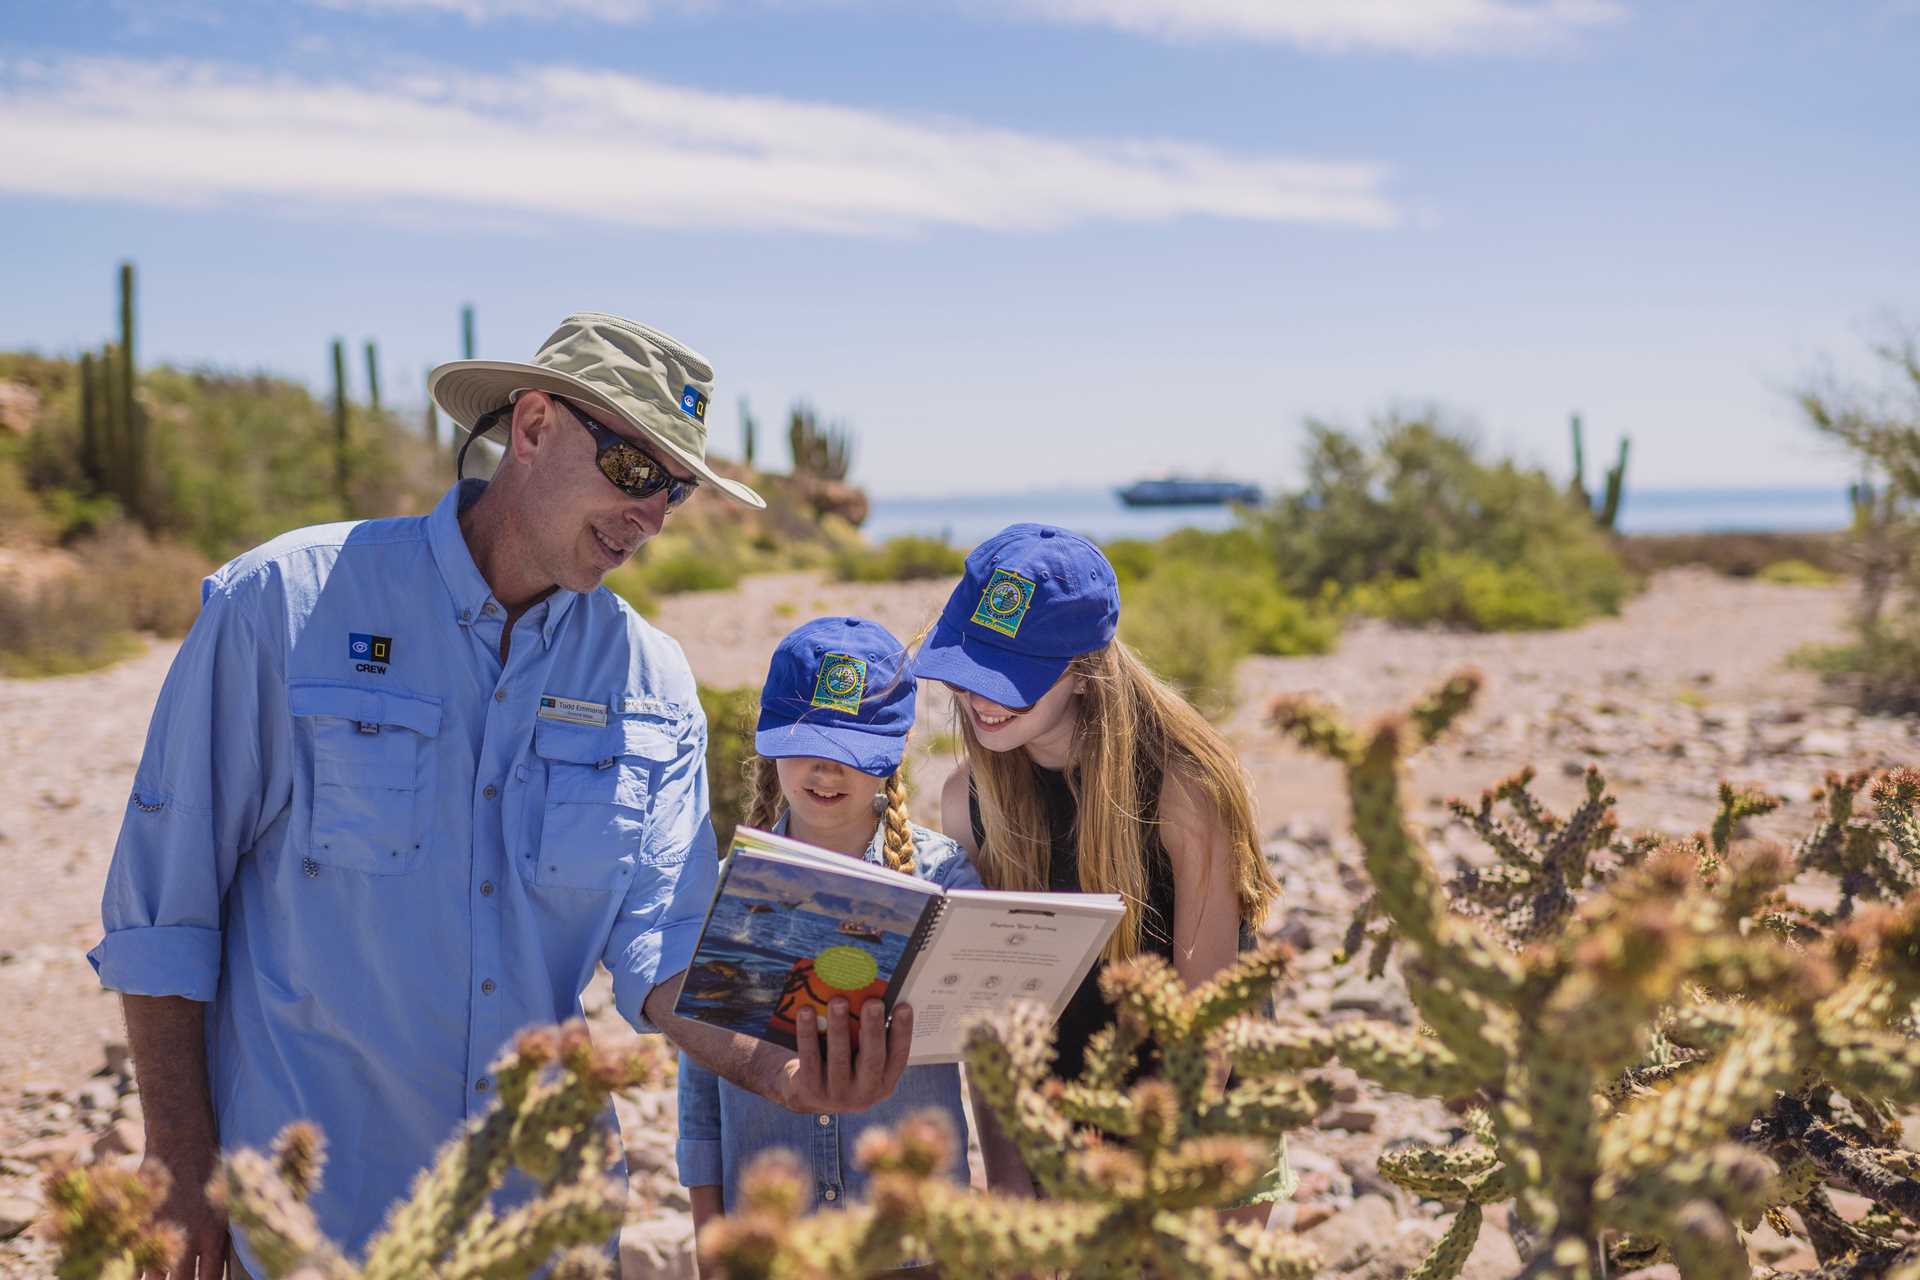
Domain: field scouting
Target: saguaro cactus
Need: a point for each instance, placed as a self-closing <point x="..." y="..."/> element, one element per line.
<point x="1606" y="511"/>
<point x="133" y="428"/>
<point x="373" y="377"/>
<point x="340" y="420"/>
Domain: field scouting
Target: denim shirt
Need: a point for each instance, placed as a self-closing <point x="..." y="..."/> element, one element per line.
<point x="374" y="852"/>
<point x="723" y="1127"/>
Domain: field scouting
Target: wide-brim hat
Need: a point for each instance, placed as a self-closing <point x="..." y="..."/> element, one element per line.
<point x="625" y="372"/>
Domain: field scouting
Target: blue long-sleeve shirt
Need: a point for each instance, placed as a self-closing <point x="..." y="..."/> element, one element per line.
<point x="376" y="853"/>
<point x="723" y="1127"/>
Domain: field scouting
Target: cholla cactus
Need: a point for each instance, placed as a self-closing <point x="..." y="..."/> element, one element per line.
<point x="1132" y="1174"/>
<point x="1653" y="1071"/>
<point x="103" y="1222"/>
<point x="552" y="1091"/>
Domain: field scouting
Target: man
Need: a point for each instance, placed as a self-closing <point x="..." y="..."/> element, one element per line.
<point x="410" y="780"/>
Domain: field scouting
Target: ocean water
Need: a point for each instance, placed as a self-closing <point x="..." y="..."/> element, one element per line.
<point x="965" y="519"/>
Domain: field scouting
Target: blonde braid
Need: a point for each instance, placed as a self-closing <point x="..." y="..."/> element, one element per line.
<point x="765" y="803"/>
<point x="898" y="844"/>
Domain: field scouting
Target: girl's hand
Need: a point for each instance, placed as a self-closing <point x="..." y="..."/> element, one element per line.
<point x="847" y="1080"/>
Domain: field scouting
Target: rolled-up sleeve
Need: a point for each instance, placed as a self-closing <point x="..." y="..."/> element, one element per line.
<point x="698" y="1150"/>
<point x="214" y="771"/>
<point x="673" y="882"/>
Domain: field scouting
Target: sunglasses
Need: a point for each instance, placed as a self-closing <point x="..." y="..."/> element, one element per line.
<point x="628" y="467"/>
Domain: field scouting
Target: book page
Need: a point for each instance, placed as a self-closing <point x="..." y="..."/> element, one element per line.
<point x="787" y="932"/>
<point x="991" y="949"/>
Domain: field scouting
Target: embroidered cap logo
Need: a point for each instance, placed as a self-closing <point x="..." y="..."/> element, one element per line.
<point x="841" y="684"/>
<point x="1004" y="602"/>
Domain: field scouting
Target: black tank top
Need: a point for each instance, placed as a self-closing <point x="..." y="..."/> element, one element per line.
<point x="1088" y="1012"/>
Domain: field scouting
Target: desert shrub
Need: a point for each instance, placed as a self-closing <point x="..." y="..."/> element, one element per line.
<point x="23" y="520"/>
<point x="1415" y="502"/>
<point x="1739" y="555"/>
<point x="909" y="558"/>
<point x="1797" y="573"/>
<point x="687" y="570"/>
<point x="730" y="719"/>
<point x="158" y="581"/>
<point x="1454" y="589"/>
<point x="70" y="623"/>
<point x="630" y="583"/>
<point x="1186" y="640"/>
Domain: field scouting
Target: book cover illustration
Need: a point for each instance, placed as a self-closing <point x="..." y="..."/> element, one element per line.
<point x="781" y="937"/>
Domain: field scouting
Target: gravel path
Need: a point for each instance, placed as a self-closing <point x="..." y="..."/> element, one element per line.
<point x="1686" y="687"/>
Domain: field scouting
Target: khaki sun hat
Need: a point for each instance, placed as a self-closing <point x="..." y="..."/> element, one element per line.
<point x="633" y="375"/>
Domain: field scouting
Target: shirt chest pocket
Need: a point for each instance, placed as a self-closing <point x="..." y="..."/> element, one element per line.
<point x="371" y="760"/>
<point x="600" y="789"/>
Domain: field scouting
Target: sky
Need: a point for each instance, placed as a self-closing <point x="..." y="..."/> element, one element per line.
<point x="1011" y="244"/>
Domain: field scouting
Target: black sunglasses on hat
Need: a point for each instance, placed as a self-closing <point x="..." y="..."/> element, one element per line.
<point x="628" y="467"/>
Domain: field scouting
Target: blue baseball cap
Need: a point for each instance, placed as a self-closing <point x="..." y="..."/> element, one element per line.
<point x="1033" y="598"/>
<point x="838" y="688"/>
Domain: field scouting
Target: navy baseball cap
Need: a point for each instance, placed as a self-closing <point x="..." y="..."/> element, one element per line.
<point x="1033" y="598"/>
<point x="838" y="688"/>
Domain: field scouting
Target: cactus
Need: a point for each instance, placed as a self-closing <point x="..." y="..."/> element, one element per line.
<point x="433" y="417"/>
<point x="466" y="332"/>
<point x="133" y="437"/>
<point x="1606" y="511"/>
<point x="551" y="1092"/>
<point x="91" y="451"/>
<point x="373" y="377"/>
<point x="748" y="430"/>
<point x="340" y="421"/>
<point x="1131" y="1174"/>
<point x="825" y="453"/>
<point x="1660" y="1050"/>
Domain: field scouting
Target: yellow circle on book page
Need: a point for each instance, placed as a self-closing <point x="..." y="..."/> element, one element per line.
<point x="846" y="968"/>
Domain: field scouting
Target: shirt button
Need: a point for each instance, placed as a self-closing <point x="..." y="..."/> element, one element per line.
<point x="466" y="615"/>
<point x="482" y="1085"/>
<point x="499" y="695"/>
<point x="825" y="1121"/>
<point x="486" y="988"/>
<point x="489" y="792"/>
<point x="488" y="607"/>
<point x="829" y="1195"/>
<point x="486" y="888"/>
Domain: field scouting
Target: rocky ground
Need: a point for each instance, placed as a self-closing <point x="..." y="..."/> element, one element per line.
<point x="1687" y="687"/>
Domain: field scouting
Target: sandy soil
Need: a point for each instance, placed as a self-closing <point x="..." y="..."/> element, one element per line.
<point x="1686" y="687"/>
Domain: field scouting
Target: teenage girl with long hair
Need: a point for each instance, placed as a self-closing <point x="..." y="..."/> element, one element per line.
<point x="1085" y="771"/>
<point x="835" y="712"/>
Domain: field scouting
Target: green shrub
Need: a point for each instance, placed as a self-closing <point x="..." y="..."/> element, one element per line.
<point x="64" y="625"/>
<point x="1880" y="664"/>
<point x="730" y="718"/>
<point x="630" y="584"/>
<point x="1468" y="592"/>
<point x="1186" y="639"/>
<point x="909" y="558"/>
<point x="1419" y="528"/>
<point x="1797" y="573"/>
<point x="689" y="571"/>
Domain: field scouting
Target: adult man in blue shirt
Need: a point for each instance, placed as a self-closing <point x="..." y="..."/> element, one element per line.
<point x="410" y="780"/>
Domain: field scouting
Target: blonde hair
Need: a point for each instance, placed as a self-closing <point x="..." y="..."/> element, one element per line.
<point x="1132" y="729"/>
<point x="765" y="804"/>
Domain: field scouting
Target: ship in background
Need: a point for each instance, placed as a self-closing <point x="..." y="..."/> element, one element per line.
<point x="1182" y="491"/>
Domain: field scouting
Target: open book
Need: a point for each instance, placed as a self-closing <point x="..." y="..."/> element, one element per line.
<point x="792" y="926"/>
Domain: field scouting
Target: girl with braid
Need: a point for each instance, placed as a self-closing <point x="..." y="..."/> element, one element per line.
<point x="835" y="712"/>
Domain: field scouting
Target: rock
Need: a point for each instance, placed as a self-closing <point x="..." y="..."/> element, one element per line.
<point x="1353" y="1236"/>
<point x="1825" y="742"/>
<point x="16" y="1215"/>
<point x="657" y="1249"/>
<point x="1352" y="1119"/>
<point x="122" y="1138"/>
<point x="1493" y="1256"/>
<point x="19" y="407"/>
<point x="97" y="1095"/>
<point x="1308" y="1216"/>
<point x="75" y="1148"/>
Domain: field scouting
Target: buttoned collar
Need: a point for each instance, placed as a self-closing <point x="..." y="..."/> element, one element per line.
<point x="467" y="590"/>
<point x="875" y="853"/>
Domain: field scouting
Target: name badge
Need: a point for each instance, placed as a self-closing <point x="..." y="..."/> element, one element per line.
<point x="574" y="711"/>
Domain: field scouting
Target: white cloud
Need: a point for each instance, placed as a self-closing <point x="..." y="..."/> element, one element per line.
<point x="1397" y="26"/>
<point x="1402" y="26"/>
<point x="559" y="142"/>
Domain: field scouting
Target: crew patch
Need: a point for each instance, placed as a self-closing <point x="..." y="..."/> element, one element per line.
<point x="841" y="684"/>
<point x="1003" y="605"/>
